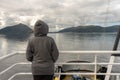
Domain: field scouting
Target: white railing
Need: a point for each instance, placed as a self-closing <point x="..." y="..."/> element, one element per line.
<point x="95" y="63"/>
<point x="11" y="54"/>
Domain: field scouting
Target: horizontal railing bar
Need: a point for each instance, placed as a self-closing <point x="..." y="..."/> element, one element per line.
<point x="91" y="52"/>
<point x="71" y="52"/>
<point x="17" y="74"/>
<point x="82" y="52"/>
<point x="11" y="54"/>
<point x="22" y="63"/>
<point x="29" y="73"/>
<point x="71" y="63"/>
<point x="3" y="57"/>
<point x="85" y="73"/>
<point x="12" y="67"/>
<point x="87" y="63"/>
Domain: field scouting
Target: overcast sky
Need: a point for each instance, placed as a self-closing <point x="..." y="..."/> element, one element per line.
<point x="60" y="13"/>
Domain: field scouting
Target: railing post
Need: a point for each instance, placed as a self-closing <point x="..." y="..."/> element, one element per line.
<point x="117" y="77"/>
<point x="109" y="68"/>
<point x="95" y="71"/>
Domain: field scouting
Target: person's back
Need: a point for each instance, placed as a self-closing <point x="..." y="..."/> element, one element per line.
<point x="42" y="52"/>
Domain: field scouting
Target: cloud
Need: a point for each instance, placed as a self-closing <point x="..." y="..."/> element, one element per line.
<point x="63" y="13"/>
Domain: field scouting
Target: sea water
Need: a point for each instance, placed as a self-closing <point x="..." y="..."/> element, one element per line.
<point x="68" y="41"/>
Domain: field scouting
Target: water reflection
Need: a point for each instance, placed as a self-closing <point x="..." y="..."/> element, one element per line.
<point x="68" y="41"/>
<point x="64" y="41"/>
<point x="3" y="47"/>
<point x="78" y="41"/>
<point x="8" y="46"/>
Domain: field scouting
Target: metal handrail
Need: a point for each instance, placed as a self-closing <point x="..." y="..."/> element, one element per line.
<point x="95" y="63"/>
<point x="28" y="73"/>
<point x="11" y="54"/>
<point x="63" y="73"/>
<point x="114" y="74"/>
<point x="69" y="52"/>
<point x="23" y="63"/>
<point x="12" y="66"/>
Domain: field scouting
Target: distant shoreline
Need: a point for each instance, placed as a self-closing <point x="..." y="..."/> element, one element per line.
<point x="91" y="29"/>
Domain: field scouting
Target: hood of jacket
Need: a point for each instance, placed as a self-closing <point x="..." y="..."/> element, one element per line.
<point x="40" y="28"/>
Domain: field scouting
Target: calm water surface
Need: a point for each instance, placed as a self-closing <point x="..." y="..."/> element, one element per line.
<point x="68" y="41"/>
<point x="65" y="41"/>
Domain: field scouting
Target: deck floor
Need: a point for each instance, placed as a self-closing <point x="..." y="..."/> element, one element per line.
<point x="19" y="68"/>
<point x="23" y="77"/>
<point x="11" y="60"/>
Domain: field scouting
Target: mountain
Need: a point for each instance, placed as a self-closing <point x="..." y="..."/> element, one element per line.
<point x="19" y="31"/>
<point x="91" y="28"/>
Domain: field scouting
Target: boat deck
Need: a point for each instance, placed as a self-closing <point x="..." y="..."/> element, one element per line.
<point x="23" y="77"/>
<point x="12" y="64"/>
<point x="16" y="67"/>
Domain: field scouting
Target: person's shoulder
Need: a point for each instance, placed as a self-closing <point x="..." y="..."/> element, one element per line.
<point x="50" y="38"/>
<point x="31" y="39"/>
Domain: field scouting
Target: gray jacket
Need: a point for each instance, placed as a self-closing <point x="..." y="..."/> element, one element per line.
<point x="42" y="51"/>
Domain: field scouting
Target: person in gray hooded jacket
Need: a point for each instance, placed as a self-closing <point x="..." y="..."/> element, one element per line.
<point x="42" y="52"/>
